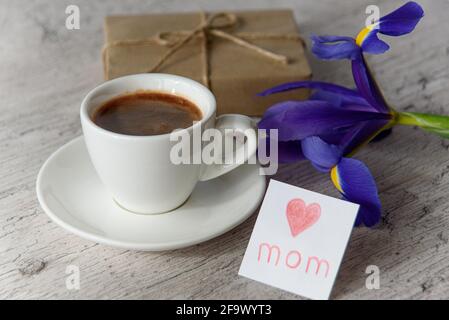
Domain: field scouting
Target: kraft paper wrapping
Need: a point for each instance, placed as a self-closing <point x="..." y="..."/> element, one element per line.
<point x="235" y="73"/>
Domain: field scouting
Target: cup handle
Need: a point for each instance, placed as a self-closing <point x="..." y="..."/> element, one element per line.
<point x="239" y="124"/>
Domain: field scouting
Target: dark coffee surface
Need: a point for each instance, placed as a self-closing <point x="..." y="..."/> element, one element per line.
<point x="146" y="113"/>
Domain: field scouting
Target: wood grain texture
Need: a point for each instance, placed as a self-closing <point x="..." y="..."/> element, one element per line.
<point x="46" y="70"/>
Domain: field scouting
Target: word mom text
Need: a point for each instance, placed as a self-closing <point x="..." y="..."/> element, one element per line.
<point x="272" y="255"/>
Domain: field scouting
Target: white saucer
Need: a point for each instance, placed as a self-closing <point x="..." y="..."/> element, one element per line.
<point x="72" y="195"/>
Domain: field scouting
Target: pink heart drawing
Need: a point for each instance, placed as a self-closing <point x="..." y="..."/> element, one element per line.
<point x="300" y="217"/>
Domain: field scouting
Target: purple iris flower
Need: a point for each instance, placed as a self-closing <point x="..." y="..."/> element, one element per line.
<point x="327" y="130"/>
<point x="336" y="121"/>
<point x="350" y="176"/>
<point x="399" y="22"/>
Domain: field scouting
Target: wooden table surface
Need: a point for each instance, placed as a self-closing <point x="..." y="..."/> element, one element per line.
<point x="45" y="70"/>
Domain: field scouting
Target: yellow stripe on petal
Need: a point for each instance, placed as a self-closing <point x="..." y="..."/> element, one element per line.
<point x="335" y="179"/>
<point x="363" y="34"/>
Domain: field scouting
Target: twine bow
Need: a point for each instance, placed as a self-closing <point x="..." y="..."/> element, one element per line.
<point x="211" y="26"/>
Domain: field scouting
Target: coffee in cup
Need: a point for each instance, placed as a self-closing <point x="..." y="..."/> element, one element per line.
<point x="146" y="113"/>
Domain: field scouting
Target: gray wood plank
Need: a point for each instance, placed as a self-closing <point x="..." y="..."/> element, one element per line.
<point x="46" y="70"/>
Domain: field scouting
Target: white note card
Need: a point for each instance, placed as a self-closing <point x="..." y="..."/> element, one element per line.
<point x="299" y="240"/>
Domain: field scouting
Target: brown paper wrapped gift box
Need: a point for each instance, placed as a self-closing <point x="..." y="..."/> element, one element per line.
<point x="235" y="74"/>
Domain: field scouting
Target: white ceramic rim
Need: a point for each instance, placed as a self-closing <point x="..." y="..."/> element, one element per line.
<point x="86" y="119"/>
<point x="125" y="244"/>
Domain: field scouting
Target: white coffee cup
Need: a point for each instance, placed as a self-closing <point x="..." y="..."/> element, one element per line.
<point x="137" y="170"/>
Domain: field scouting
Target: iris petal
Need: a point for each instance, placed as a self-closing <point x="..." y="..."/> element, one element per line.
<point x="289" y="151"/>
<point x="323" y="155"/>
<point x="357" y="185"/>
<point x="397" y="23"/>
<point x="351" y="140"/>
<point x="333" y="138"/>
<point x="360" y="135"/>
<point x="334" y="47"/>
<point x="372" y="44"/>
<point x="401" y="21"/>
<point x="367" y="86"/>
<point x="343" y="101"/>
<point x="297" y="120"/>
<point x="330" y="87"/>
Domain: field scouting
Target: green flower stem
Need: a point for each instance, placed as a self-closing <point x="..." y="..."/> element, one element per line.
<point x="437" y="124"/>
